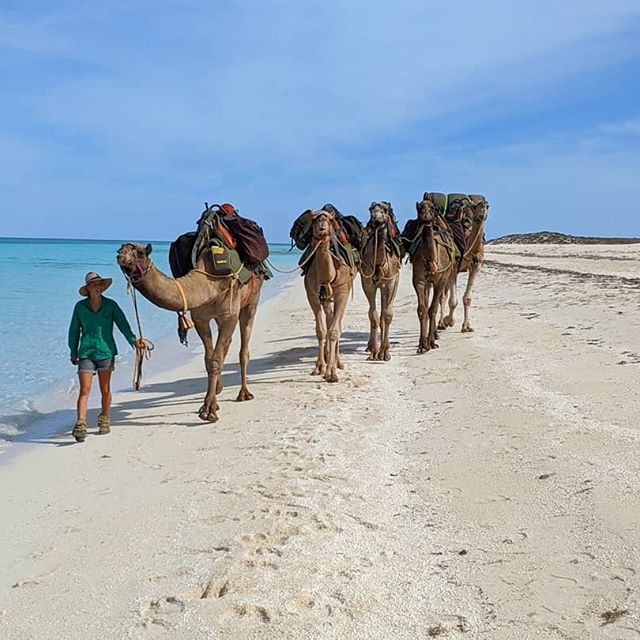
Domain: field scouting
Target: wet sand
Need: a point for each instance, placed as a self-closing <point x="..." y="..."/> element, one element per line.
<point x="487" y="489"/>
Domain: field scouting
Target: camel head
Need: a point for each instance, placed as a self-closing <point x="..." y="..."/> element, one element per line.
<point x="456" y="211"/>
<point x="426" y="211"/>
<point x="479" y="209"/>
<point x="322" y="224"/>
<point x="133" y="259"/>
<point x="380" y="212"/>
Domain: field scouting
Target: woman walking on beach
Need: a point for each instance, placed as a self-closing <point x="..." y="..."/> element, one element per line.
<point x="93" y="348"/>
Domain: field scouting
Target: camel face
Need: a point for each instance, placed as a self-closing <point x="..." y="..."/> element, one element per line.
<point x="455" y="212"/>
<point x="480" y="211"/>
<point x="133" y="258"/>
<point x="426" y="211"/>
<point x="322" y="225"/>
<point x="379" y="213"/>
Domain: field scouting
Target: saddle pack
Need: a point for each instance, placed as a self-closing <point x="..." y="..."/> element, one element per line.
<point x="236" y="245"/>
<point x="348" y="229"/>
<point x="412" y="236"/>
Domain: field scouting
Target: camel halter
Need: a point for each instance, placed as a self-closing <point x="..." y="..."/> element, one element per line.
<point x="375" y="253"/>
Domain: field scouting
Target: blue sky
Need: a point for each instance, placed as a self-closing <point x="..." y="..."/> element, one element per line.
<point x="118" y="119"/>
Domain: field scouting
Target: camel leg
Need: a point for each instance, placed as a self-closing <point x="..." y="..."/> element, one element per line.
<point x="247" y="316"/>
<point x="422" y="291"/>
<point x="449" y="320"/>
<point x="321" y="334"/>
<point x="335" y="330"/>
<point x="387" y="295"/>
<point x="374" y="320"/>
<point x="466" y="300"/>
<point x="442" y="304"/>
<point x="203" y="329"/>
<point x="328" y="314"/>
<point x="214" y="360"/>
<point x="433" y="315"/>
<point x="339" y="363"/>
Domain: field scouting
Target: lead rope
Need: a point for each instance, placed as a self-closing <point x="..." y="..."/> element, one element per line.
<point x="300" y="266"/>
<point x="143" y="346"/>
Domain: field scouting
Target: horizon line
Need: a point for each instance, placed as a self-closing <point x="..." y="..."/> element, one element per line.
<point x="61" y="239"/>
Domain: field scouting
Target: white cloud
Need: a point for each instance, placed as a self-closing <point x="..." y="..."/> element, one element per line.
<point x="273" y="103"/>
<point x="626" y="127"/>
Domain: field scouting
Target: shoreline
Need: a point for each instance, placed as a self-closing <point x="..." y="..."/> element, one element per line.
<point x="25" y="424"/>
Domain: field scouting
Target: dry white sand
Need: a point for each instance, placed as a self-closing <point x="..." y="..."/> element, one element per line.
<point x="488" y="489"/>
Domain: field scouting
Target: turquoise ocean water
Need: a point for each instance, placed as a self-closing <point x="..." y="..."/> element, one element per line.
<point x="39" y="282"/>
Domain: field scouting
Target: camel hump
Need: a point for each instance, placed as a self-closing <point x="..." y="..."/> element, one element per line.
<point x="302" y="229"/>
<point x="354" y="230"/>
<point x="180" y="254"/>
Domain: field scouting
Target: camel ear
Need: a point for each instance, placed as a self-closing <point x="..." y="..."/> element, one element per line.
<point x="417" y="206"/>
<point x="148" y="249"/>
<point x="424" y="197"/>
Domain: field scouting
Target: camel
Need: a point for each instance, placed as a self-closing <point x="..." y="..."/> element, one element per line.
<point x="474" y="216"/>
<point x="379" y="271"/>
<point x="223" y="299"/>
<point x="433" y="263"/>
<point x="328" y="281"/>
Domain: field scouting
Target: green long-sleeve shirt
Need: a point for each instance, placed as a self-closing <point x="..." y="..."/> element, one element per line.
<point x="91" y="332"/>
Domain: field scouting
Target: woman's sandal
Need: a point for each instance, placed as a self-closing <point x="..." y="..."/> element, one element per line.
<point x="79" y="431"/>
<point x="104" y="425"/>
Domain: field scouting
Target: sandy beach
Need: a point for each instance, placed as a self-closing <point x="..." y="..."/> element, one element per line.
<point x="487" y="489"/>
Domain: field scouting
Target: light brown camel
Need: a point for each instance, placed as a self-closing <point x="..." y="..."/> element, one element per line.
<point x="379" y="271"/>
<point x="222" y="299"/>
<point x="328" y="281"/>
<point x="474" y="217"/>
<point x="433" y="264"/>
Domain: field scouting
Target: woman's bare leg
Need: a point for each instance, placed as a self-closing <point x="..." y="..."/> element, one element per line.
<point x="104" y="378"/>
<point x="86" y="380"/>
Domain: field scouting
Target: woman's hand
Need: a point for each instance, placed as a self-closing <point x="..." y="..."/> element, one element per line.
<point x="74" y="360"/>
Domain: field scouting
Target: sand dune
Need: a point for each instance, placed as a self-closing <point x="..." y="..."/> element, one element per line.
<point x="488" y="489"/>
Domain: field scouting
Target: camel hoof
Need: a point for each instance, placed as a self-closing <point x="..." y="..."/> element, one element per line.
<point x="207" y="414"/>
<point x="331" y="377"/>
<point x="371" y="356"/>
<point x="466" y="330"/>
<point x="318" y="371"/>
<point x="387" y="356"/>
<point x="340" y="365"/>
<point x="244" y="395"/>
<point x="449" y="322"/>
<point x="441" y="326"/>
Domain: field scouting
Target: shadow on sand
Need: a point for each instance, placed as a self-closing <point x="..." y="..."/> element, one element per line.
<point x="161" y="397"/>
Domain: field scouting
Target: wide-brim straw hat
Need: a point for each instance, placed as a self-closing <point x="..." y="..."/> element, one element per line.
<point x="92" y="276"/>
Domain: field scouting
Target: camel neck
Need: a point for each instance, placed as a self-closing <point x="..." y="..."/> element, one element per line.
<point x="476" y="237"/>
<point x="163" y="291"/>
<point x="323" y="263"/>
<point x="429" y="243"/>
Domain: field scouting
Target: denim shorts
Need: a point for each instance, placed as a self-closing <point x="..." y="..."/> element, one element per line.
<point x="89" y="365"/>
